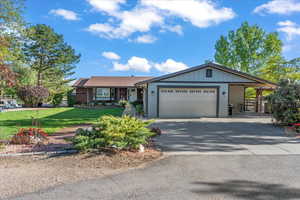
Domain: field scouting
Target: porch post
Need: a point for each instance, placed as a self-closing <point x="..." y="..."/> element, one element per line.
<point x="87" y="96"/>
<point x="94" y="94"/>
<point x="258" y="99"/>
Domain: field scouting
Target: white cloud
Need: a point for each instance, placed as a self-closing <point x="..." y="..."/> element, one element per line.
<point x="109" y="6"/>
<point x="100" y="28"/>
<point x="286" y="23"/>
<point x="66" y="14"/>
<point x="170" y="66"/>
<point x="143" y="65"/>
<point x="201" y="13"/>
<point x="134" y="63"/>
<point x="176" y="29"/>
<point x="283" y="7"/>
<point x="290" y="28"/>
<point x="152" y="13"/>
<point x="138" y="20"/>
<point x="111" y="55"/>
<point x="145" y="39"/>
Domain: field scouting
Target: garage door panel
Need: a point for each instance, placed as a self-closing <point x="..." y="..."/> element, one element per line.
<point x="187" y="102"/>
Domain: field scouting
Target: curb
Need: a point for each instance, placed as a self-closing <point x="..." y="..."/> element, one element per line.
<point x="39" y="153"/>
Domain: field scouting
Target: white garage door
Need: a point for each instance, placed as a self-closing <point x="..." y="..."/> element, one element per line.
<point x="187" y="102"/>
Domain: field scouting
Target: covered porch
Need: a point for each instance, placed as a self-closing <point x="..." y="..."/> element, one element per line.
<point x="98" y="94"/>
<point x="239" y="101"/>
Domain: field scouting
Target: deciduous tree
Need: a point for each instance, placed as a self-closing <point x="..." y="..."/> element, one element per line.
<point x="11" y="24"/>
<point x="248" y="48"/>
<point x="252" y="50"/>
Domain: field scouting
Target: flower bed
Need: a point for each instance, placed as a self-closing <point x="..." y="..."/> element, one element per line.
<point x="293" y="130"/>
<point x="29" y="136"/>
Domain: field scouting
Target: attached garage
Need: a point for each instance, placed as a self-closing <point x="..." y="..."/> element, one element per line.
<point x="201" y="91"/>
<point x="187" y="102"/>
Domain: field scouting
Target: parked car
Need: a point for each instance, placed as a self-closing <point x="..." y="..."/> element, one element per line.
<point x="2" y="105"/>
<point x="9" y="104"/>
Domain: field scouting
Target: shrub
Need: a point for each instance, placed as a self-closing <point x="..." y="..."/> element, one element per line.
<point x="57" y="99"/>
<point x="137" y="102"/>
<point x="285" y="102"/>
<point x="123" y="103"/>
<point x="114" y="132"/>
<point x="156" y="130"/>
<point x="32" y="95"/>
<point x="139" y="109"/>
<point x="29" y="136"/>
<point x="71" y="98"/>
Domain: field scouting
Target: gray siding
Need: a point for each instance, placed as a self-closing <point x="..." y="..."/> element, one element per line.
<point x="200" y="75"/>
<point x="153" y="92"/>
<point x="236" y="97"/>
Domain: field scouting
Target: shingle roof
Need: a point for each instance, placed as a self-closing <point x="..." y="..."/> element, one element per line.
<point x="80" y="82"/>
<point x="111" y="81"/>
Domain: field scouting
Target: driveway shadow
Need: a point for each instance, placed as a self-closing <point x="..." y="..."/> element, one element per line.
<point x="218" y="135"/>
<point x="242" y="189"/>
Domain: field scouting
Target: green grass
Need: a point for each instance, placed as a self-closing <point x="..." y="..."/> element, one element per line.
<point x="51" y="120"/>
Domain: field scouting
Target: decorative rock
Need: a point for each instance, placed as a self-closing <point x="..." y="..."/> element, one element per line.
<point x="141" y="149"/>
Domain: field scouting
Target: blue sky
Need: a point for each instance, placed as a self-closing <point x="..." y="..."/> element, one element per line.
<point x="154" y="37"/>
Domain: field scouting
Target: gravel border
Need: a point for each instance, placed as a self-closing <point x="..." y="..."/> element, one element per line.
<point x="39" y="153"/>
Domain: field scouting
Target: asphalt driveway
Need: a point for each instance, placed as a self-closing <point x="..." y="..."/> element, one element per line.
<point x="244" y="135"/>
<point x="207" y="177"/>
<point x="234" y="159"/>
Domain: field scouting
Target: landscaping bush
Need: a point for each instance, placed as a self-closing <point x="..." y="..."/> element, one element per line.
<point x="138" y="105"/>
<point x="156" y="131"/>
<point x="123" y="103"/>
<point x="114" y="132"/>
<point x="139" y="109"/>
<point x="29" y="136"/>
<point x="71" y="98"/>
<point x="137" y="102"/>
<point x="285" y="102"/>
<point x="57" y="99"/>
<point x="32" y="95"/>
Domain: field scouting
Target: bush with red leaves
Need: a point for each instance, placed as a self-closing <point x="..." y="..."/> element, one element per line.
<point x="29" y="136"/>
<point x="33" y="95"/>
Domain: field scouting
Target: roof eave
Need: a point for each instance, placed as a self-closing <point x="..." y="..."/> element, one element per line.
<point x="217" y="66"/>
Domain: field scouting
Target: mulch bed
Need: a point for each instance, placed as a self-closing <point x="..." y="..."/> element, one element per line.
<point x="26" y="174"/>
<point x="57" y="142"/>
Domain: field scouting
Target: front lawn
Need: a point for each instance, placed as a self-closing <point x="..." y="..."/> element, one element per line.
<point x="52" y="119"/>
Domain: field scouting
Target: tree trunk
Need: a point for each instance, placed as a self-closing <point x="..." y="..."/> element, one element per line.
<point x="39" y="79"/>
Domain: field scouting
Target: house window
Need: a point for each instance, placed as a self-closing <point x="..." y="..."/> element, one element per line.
<point x="103" y="94"/>
<point x="209" y="73"/>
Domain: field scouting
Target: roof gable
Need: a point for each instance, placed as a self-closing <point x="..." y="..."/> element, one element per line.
<point x="200" y="76"/>
<point x="241" y="75"/>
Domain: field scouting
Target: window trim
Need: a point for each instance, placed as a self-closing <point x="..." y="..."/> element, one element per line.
<point x="209" y="73"/>
<point x="102" y="97"/>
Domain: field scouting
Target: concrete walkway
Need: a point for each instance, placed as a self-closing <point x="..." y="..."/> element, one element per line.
<point x="250" y="135"/>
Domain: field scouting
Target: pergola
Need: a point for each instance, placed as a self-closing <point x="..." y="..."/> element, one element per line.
<point x="259" y="97"/>
<point x="259" y="88"/>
